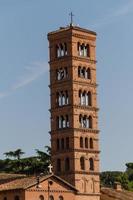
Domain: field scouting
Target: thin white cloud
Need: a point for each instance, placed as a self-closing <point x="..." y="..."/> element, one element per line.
<point x="120" y="12"/>
<point x="31" y="73"/>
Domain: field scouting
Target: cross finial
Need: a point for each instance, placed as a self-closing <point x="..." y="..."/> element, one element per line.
<point x="71" y="15"/>
<point x="50" y="168"/>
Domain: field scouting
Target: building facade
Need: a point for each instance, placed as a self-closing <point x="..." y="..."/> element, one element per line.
<point x="74" y="111"/>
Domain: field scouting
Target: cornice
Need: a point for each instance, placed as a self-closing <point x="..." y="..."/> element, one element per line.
<point x="79" y="82"/>
<point x="71" y="150"/>
<point x="71" y="58"/>
<point x="72" y="130"/>
<point x="89" y="108"/>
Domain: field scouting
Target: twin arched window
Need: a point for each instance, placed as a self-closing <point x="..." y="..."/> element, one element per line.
<point x="61" y="73"/>
<point x="67" y="164"/>
<point x="62" y="143"/>
<point x="84" y="73"/>
<point x="85" y="98"/>
<point x="83" y="49"/>
<point x="82" y="163"/>
<point x="61" y="50"/>
<point x="62" y="98"/>
<point x="85" y="122"/>
<point x="63" y="122"/>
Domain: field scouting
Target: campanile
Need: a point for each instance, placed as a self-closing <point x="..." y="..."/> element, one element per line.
<point x="74" y="111"/>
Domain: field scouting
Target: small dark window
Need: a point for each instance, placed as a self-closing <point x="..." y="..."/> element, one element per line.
<point x="58" y="165"/>
<point x="41" y="197"/>
<point x="90" y="122"/>
<point x="58" y="144"/>
<point x="5" y="198"/>
<point x="82" y="163"/>
<point x="91" y="162"/>
<point x="16" y="197"/>
<point x="67" y="142"/>
<point x="86" y="142"/>
<point x="67" y="164"/>
<point x="62" y="143"/>
<point x="81" y="142"/>
<point x="91" y="143"/>
<point x="61" y="198"/>
<point x="51" y="197"/>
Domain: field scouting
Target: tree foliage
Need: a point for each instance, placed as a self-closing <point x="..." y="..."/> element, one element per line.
<point x="109" y="178"/>
<point x="14" y="163"/>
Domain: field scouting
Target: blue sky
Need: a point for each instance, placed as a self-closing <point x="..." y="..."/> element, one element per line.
<point x="24" y="75"/>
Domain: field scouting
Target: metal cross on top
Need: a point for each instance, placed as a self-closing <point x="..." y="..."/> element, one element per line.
<point x="50" y="168"/>
<point x="71" y="15"/>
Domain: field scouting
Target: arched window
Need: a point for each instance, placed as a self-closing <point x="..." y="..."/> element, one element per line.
<point x="91" y="163"/>
<point x="88" y="73"/>
<point x="67" y="121"/>
<point x="51" y="197"/>
<point x="65" y="49"/>
<point x="67" y="164"/>
<point x="58" y="144"/>
<point x="82" y="163"/>
<point x="16" y="197"/>
<point x="86" y="142"/>
<point x="61" y="198"/>
<point x="67" y="142"/>
<point x="62" y="143"/>
<point x="88" y="50"/>
<point x="58" y="165"/>
<point x="89" y="99"/>
<point x="90" y="122"/>
<point x="41" y="197"/>
<point x="81" y="142"/>
<point x="91" y="143"/>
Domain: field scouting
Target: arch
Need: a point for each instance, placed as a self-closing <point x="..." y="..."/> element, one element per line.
<point x="82" y="163"/>
<point x="62" y="143"/>
<point x="91" y="143"/>
<point x="67" y="121"/>
<point x="79" y="71"/>
<point x="81" y="142"/>
<point x="89" y="99"/>
<point x="61" y="197"/>
<point x="51" y="197"/>
<point x="91" y="164"/>
<point x="88" y="73"/>
<point x="67" y="164"/>
<point x="65" y="49"/>
<point x="88" y="50"/>
<point x="90" y="121"/>
<point x="86" y="142"/>
<point x="58" y="144"/>
<point x="16" y="197"/>
<point x="66" y="98"/>
<point x="58" y="165"/>
<point x="41" y="197"/>
<point x="67" y="142"/>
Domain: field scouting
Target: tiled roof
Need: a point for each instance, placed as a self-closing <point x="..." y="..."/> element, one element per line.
<point x="28" y="181"/>
<point x="4" y="177"/>
<point x="111" y="194"/>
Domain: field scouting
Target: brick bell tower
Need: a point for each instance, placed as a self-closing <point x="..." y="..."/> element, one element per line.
<point x="74" y="118"/>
